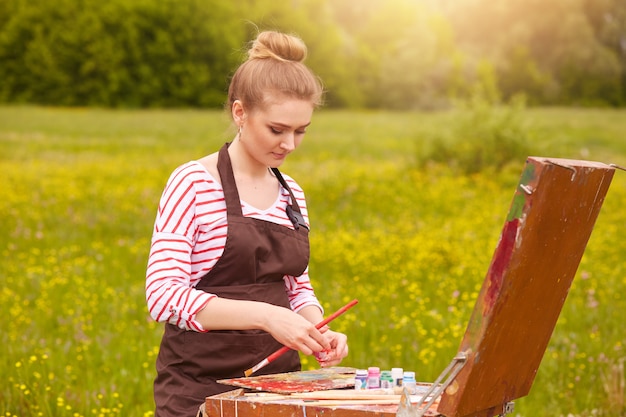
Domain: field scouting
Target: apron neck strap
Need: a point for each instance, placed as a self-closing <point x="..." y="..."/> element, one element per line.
<point x="231" y="195"/>
<point x="293" y="210"/>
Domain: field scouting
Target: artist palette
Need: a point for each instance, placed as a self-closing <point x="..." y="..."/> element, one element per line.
<point x="294" y="382"/>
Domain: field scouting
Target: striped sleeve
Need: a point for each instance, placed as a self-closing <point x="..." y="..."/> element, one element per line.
<point x="170" y="292"/>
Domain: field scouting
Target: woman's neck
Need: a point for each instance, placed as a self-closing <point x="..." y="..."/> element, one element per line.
<point x="243" y="164"/>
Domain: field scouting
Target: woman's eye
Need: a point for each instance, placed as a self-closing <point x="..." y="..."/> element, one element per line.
<point x="278" y="131"/>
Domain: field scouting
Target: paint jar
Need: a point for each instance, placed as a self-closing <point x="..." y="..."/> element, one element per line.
<point x="373" y="377"/>
<point x="360" y="379"/>
<point x="396" y="374"/>
<point x="408" y="382"/>
<point x="386" y="380"/>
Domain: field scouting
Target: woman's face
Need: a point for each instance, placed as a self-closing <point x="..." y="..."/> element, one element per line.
<point x="271" y="132"/>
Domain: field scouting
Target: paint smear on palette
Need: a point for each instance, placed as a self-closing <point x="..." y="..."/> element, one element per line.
<point x="292" y="382"/>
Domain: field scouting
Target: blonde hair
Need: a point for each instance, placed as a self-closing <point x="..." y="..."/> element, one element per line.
<point x="274" y="65"/>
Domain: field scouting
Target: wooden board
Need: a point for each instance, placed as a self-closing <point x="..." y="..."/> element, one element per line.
<point x="549" y="223"/>
<point x="333" y="403"/>
<point x="304" y="381"/>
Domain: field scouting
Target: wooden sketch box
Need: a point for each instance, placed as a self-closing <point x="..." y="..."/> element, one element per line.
<point x="550" y="220"/>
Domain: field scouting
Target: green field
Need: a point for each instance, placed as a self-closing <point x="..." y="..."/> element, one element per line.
<point x="410" y="239"/>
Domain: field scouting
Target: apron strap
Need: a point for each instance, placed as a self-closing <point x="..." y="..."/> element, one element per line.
<point x="231" y="195"/>
<point x="293" y="210"/>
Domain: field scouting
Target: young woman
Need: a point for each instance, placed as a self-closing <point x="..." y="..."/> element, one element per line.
<point x="228" y="265"/>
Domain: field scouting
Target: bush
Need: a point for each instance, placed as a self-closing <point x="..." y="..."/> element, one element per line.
<point x="483" y="135"/>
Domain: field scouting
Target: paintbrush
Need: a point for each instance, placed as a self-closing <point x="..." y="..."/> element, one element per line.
<point x="271" y="358"/>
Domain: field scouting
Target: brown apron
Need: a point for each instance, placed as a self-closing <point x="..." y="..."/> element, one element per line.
<point x="256" y="256"/>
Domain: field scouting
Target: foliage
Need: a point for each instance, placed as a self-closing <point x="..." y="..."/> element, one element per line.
<point x="564" y="52"/>
<point x="117" y="53"/>
<point x="80" y="189"/>
<point x="392" y="54"/>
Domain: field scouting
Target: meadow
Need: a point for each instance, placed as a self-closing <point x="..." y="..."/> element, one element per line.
<point x="411" y="239"/>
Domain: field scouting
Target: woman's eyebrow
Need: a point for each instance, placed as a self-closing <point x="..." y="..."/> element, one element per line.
<point x="279" y="124"/>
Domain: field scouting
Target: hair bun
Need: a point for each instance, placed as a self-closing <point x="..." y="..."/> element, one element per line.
<point x="278" y="46"/>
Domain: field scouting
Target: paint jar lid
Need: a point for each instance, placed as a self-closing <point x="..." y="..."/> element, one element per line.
<point x="408" y="376"/>
<point x="361" y="372"/>
<point x="373" y="370"/>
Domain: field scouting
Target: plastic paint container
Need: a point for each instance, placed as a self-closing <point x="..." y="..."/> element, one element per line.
<point x="373" y="377"/>
<point x="408" y="382"/>
<point x="360" y="379"/>
<point x="386" y="380"/>
<point x="396" y="374"/>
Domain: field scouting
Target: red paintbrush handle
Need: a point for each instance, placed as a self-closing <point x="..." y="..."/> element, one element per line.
<point x="336" y="314"/>
<point x="278" y="353"/>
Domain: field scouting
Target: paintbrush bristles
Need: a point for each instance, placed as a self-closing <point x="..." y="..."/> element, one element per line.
<point x="256" y="367"/>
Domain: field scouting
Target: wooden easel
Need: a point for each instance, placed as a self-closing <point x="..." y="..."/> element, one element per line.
<point x="553" y="212"/>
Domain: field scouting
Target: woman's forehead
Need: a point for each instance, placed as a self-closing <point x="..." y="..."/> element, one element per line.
<point x="287" y="110"/>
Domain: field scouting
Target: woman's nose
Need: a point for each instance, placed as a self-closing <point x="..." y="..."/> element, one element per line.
<point x="289" y="142"/>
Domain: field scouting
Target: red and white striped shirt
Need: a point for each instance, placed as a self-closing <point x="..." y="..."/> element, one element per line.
<point x="188" y="239"/>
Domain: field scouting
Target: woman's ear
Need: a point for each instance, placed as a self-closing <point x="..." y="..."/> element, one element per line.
<point x="238" y="112"/>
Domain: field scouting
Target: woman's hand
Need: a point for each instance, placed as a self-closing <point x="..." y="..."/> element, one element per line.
<point x="338" y="349"/>
<point x="296" y="332"/>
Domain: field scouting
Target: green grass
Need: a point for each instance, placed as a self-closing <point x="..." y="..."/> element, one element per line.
<point x="79" y="193"/>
